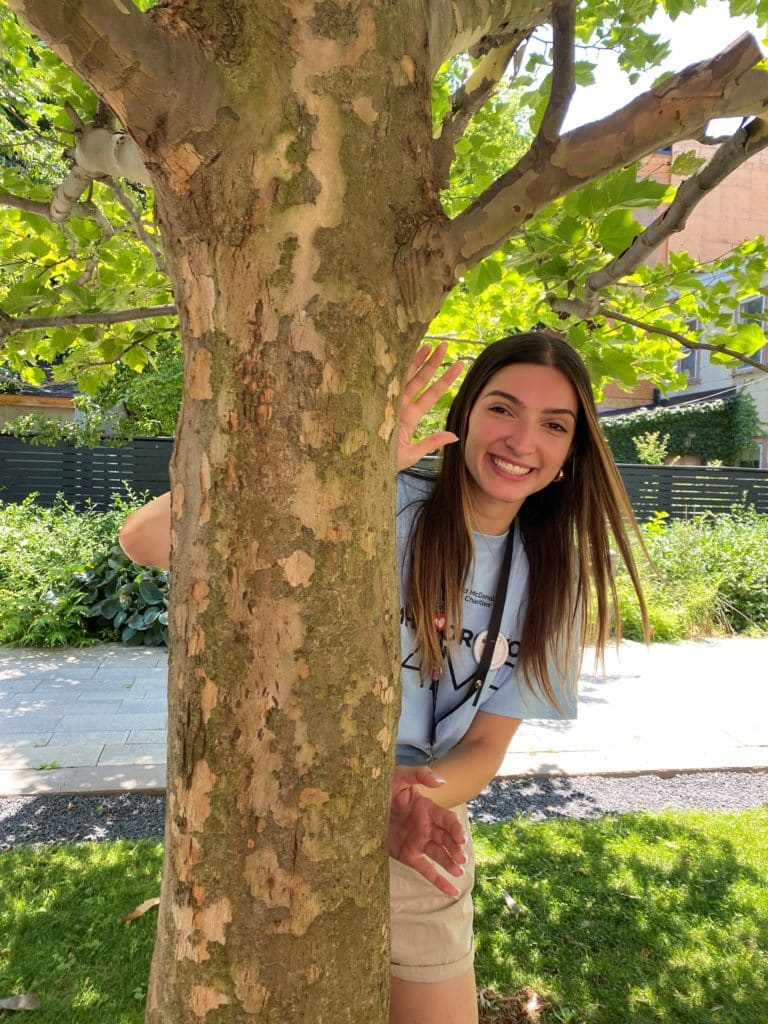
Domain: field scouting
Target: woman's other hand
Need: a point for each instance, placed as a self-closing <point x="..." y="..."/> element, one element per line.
<point x="419" y="396"/>
<point x="421" y="833"/>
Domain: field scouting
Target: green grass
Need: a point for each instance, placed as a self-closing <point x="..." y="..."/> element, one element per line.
<point x="639" y="918"/>
<point x="61" y="936"/>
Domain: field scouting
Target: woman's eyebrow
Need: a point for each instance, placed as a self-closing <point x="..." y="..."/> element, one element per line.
<point x="514" y="400"/>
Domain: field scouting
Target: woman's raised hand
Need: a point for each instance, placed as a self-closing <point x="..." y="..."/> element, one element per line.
<point x="419" y="396"/>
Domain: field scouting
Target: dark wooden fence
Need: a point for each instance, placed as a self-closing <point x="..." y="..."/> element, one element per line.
<point x="95" y="474"/>
<point x="684" y="491"/>
<point x="82" y="474"/>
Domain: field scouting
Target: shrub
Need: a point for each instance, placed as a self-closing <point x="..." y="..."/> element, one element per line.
<point x="56" y="567"/>
<point x="127" y="599"/>
<point x="711" y="576"/>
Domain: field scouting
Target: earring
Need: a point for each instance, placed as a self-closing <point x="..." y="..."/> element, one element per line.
<point x="559" y="477"/>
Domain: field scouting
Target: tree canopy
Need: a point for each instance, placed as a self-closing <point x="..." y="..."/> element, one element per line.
<point x="84" y="285"/>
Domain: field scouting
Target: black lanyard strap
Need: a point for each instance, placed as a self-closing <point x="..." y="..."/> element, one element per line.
<point x="476" y="687"/>
<point x="499" y="601"/>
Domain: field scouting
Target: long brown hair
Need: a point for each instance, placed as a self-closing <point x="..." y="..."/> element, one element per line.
<point x="566" y="529"/>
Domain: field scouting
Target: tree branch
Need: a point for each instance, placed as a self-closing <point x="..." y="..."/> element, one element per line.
<point x="478" y="28"/>
<point x="10" y="325"/>
<point x="735" y="151"/>
<point x="571" y="307"/>
<point x="100" y="152"/>
<point x="138" y="224"/>
<point x="143" y="66"/>
<point x="469" y="98"/>
<point x="44" y="209"/>
<point x="563" y="73"/>
<point x="678" y="109"/>
<point x="67" y="194"/>
<point x="100" y="41"/>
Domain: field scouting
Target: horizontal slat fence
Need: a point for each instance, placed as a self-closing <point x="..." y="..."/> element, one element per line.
<point x="95" y="474"/>
<point x="685" y="491"/>
<point x="82" y="474"/>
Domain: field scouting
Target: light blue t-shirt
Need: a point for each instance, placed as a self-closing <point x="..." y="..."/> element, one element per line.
<point x="501" y="694"/>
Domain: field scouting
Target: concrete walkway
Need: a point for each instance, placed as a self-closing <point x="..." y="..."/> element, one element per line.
<point x="94" y="720"/>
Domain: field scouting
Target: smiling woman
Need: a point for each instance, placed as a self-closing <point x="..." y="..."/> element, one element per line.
<point x="499" y="556"/>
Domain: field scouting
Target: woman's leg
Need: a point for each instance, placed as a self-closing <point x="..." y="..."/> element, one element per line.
<point x="434" y="1002"/>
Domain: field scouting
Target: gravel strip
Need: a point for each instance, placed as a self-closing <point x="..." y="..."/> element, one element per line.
<point x="592" y="796"/>
<point x="76" y="819"/>
<point x="60" y="819"/>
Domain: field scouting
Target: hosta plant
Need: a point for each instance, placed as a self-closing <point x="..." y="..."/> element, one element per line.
<point x="128" y="599"/>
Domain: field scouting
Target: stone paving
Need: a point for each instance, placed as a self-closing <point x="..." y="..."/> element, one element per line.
<point x="91" y="719"/>
<point x="94" y="719"/>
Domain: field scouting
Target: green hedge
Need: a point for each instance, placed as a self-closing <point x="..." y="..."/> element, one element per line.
<point x="716" y="431"/>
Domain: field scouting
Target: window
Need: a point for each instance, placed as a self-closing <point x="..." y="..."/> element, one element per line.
<point x="689" y="363"/>
<point x="753" y="311"/>
<point x="756" y="457"/>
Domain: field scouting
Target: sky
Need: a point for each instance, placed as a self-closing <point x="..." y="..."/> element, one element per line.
<point x="693" y="37"/>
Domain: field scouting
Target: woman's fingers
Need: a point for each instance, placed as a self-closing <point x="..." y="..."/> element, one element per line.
<point x="419" y="396"/>
<point x="426" y="868"/>
<point x="423" y="367"/>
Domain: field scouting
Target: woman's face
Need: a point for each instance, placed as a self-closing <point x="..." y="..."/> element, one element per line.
<point x="520" y="432"/>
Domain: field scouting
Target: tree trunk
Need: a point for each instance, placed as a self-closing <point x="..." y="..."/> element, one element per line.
<point x="284" y="654"/>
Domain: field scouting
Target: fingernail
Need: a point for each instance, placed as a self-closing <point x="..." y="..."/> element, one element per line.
<point x="438" y="778"/>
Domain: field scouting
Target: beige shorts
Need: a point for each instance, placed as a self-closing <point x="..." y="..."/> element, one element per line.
<point x="431" y="933"/>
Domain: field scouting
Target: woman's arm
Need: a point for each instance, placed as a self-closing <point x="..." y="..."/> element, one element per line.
<point x="474" y="761"/>
<point x="145" y="535"/>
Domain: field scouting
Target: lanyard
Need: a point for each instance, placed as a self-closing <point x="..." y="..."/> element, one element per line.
<point x="499" y="600"/>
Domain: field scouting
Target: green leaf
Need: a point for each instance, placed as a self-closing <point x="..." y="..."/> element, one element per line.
<point x="749" y="338"/>
<point x="150" y="615"/>
<point x="150" y="592"/>
<point x="136" y="358"/>
<point x="687" y="163"/>
<point x="617" y="231"/>
<point x="584" y="72"/>
<point x="570" y="230"/>
<point x="109" y="608"/>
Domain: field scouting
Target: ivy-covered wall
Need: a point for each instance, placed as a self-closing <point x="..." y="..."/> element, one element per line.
<point x="716" y="431"/>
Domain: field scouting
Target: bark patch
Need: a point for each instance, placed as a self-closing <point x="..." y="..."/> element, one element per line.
<point x="252" y="995"/>
<point x="200" y="294"/>
<point x="200" y="376"/>
<point x="203" y="1000"/>
<point x="275" y="888"/>
<point x="297" y="568"/>
<point x="365" y="110"/>
<point x="198" y="804"/>
<point x="208" y="696"/>
<point x="181" y="164"/>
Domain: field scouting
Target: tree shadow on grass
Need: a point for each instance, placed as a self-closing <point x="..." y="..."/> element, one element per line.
<point x="61" y="933"/>
<point x="640" y="918"/>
